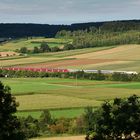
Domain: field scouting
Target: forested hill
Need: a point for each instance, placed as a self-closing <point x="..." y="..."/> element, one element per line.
<point x="25" y="30"/>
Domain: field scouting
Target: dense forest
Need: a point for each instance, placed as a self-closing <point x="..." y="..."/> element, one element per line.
<point x="25" y="30"/>
<point x="111" y="33"/>
<point x="96" y="38"/>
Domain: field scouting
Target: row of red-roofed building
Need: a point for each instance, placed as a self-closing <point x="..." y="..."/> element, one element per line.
<point x="65" y="70"/>
<point x="35" y="69"/>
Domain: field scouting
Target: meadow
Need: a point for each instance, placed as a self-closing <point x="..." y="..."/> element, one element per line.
<point x="30" y="43"/>
<point x="65" y="97"/>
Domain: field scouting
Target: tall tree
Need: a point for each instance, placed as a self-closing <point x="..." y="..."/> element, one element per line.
<point x="9" y="124"/>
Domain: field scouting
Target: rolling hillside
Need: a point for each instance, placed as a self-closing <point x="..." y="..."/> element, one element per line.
<point x="124" y="57"/>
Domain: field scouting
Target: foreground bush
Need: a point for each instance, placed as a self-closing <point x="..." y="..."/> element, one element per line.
<point x="117" y="120"/>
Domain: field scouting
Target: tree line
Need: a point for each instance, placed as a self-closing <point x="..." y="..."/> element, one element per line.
<point x="17" y="30"/>
<point x="94" y="37"/>
<point x="44" y="47"/>
<point x="47" y="125"/>
<point x="88" y="39"/>
<point x="116" y="76"/>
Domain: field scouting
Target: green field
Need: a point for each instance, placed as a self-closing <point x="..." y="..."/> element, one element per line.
<point x="68" y="113"/>
<point x="30" y="43"/>
<point x="65" y="97"/>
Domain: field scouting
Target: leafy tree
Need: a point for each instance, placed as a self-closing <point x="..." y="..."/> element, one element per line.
<point x="30" y="126"/>
<point x="9" y="124"/>
<point x="23" y="50"/>
<point x="44" y="47"/>
<point x="118" y="120"/>
<point x="68" y="47"/>
<point x="60" y="126"/>
<point x="45" y="120"/>
<point x="88" y="116"/>
<point x="36" y="50"/>
<point x="94" y="37"/>
<point x="55" y="49"/>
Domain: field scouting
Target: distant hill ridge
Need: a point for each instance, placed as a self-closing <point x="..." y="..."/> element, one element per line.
<point x="17" y="30"/>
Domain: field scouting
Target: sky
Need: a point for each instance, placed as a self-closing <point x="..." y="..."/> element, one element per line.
<point x="67" y="11"/>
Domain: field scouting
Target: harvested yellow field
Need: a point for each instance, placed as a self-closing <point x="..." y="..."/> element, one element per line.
<point x="126" y="57"/>
<point x="22" y="61"/>
<point x="63" y="138"/>
<point x="123" y="52"/>
<point x="101" y="64"/>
